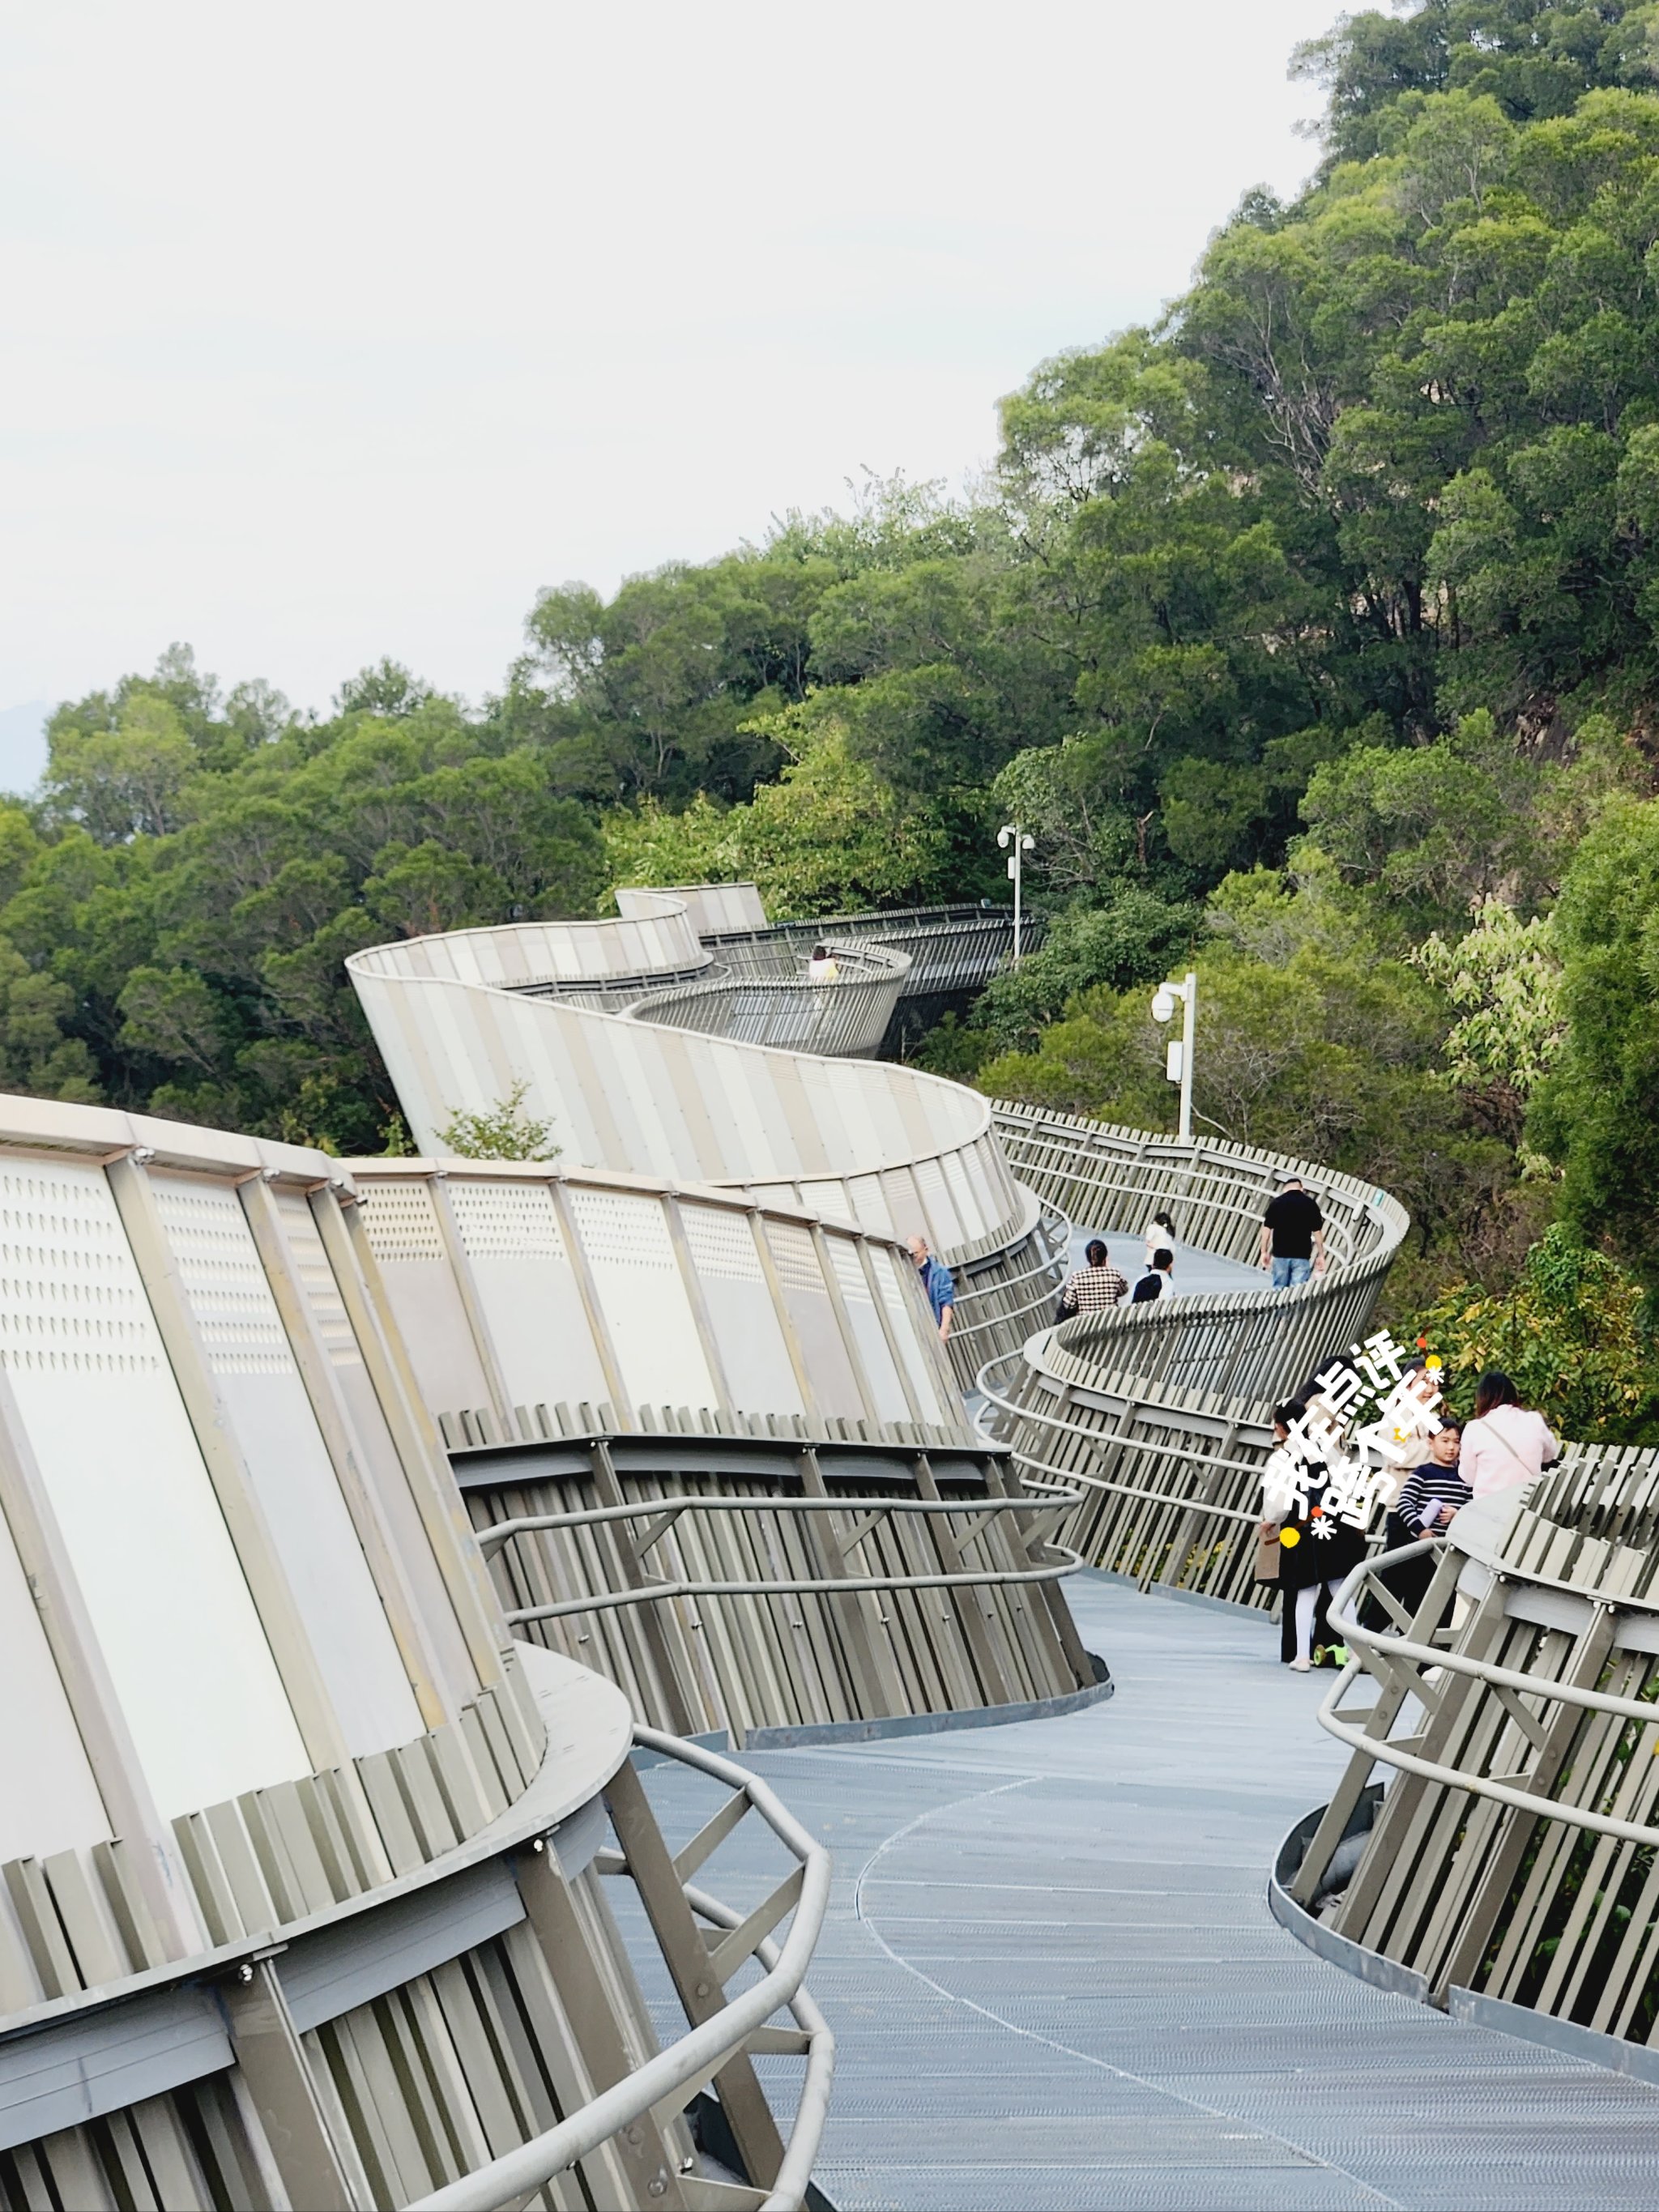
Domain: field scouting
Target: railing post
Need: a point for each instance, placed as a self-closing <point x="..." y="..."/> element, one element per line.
<point x="692" y="1970"/>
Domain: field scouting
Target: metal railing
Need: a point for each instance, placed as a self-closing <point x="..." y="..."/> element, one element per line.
<point x="844" y="1017"/>
<point x="725" y="2032"/>
<point x="749" y="1584"/>
<point x="1517" y="1705"/>
<point x="661" y="1514"/>
<point x="1160" y="1411"/>
<point x="953" y="949"/>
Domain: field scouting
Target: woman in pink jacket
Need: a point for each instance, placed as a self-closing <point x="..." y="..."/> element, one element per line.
<point x="1506" y="1443"/>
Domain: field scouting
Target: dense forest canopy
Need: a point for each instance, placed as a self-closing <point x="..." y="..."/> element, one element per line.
<point x="1314" y="634"/>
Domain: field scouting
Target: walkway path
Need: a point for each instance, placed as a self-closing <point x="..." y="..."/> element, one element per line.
<point x="1056" y="1981"/>
<point x="1194" y="1271"/>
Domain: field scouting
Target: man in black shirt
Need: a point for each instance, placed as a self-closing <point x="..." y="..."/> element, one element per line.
<point x="1292" y="1236"/>
<point x="1155" y="1281"/>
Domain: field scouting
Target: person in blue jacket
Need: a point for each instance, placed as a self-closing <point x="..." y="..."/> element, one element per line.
<point x="939" y="1283"/>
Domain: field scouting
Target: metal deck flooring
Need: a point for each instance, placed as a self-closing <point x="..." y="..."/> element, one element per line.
<point x="1055" y="1981"/>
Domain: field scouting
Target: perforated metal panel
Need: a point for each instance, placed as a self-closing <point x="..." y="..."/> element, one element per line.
<point x="643" y="1294"/>
<point x="721" y="1243"/>
<point x="401" y="1220"/>
<point x="228" y="1295"/>
<point x="142" y="1525"/>
<point x="506" y="1220"/>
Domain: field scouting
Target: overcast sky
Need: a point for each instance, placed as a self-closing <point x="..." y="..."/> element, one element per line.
<point x="335" y="331"/>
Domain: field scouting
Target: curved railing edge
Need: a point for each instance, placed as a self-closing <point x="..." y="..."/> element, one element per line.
<point x="702" y="2050"/>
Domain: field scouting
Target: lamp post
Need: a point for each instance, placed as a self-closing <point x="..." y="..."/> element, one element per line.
<point x="1013" y="841"/>
<point x="1178" y="1056"/>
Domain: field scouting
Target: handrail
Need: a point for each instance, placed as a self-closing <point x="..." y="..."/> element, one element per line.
<point x="802" y="1586"/>
<point x="1391" y="1650"/>
<point x="662" y="1512"/>
<point x="648" y="1509"/>
<point x="702" y="2051"/>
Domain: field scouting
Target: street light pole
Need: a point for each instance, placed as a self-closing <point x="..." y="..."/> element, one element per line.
<point x="1012" y="836"/>
<point x="1178" y="1056"/>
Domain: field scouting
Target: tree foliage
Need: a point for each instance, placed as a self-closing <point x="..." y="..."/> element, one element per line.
<point x="1313" y="635"/>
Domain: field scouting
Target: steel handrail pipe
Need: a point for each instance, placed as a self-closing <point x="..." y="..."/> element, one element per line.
<point x="1105" y="1483"/>
<point x="1041" y="1418"/>
<point x="698" y="2054"/>
<point x="648" y="1509"/>
<point x="1457" y="1662"/>
<point x="1070" y="1563"/>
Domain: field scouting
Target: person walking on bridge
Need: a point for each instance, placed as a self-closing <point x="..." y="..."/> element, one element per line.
<point x="938" y="1282"/>
<point x="1292" y="1236"/>
<point x="1094" y="1288"/>
<point x="1155" y="1280"/>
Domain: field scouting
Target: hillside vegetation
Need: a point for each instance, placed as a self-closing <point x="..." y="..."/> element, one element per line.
<point x="1314" y="634"/>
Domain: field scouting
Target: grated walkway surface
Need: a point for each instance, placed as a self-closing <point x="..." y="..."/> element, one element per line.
<point x="1056" y="1983"/>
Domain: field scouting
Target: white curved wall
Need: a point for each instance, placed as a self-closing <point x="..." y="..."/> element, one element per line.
<point x="886" y="1147"/>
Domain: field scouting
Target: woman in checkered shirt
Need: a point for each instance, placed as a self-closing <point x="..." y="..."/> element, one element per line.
<point x="1093" y="1288"/>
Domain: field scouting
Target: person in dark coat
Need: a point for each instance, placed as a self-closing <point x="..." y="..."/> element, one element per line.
<point x="1318" y="1550"/>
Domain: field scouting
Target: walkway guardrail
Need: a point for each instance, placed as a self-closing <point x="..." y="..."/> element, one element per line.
<point x="1516" y="1707"/>
<point x="661" y="1515"/>
<point x="1160" y="1412"/>
<point x="844" y="1018"/>
<point x="747" y="1584"/>
<point x="726" y="2032"/>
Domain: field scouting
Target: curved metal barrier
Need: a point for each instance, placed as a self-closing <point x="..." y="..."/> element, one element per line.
<point x="1159" y="1412"/>
<point x="1517" y="1705"/>
<point x="297" y="1903"/>
<point x="845" y="1018"/>
<point x="726" y="2031"/>
<point x="755" y="1587"/>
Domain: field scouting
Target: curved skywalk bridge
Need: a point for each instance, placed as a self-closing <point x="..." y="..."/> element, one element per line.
<point x="1142" y="1432"/>
<point x="461" y="1018"/>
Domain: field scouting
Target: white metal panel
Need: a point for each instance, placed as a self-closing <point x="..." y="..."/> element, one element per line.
<point x="50" y="1802"/>
<point x="149" y="1548"/>
<point x="890" y="1404"/>
<point x="531" y="1302"/>
<point x="748" y="1328"/>
<point x="833" y="1384"/>
<point x="288" y="1462"/>
<point x="643" y="1296"/>
<point x="907" y="1320"/>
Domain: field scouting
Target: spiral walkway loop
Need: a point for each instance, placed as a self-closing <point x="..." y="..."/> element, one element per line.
<point x="463" y="1019"/>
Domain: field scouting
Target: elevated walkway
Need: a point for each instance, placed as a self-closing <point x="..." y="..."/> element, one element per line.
<point x="1055" y="1980"/>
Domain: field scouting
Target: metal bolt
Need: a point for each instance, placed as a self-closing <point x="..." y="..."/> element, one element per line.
<point x="540" y="1844"/>
<point x="635" y="2133"/>
<point x="702" y="1989"/>
<point x="656" y="2186"/>
<point x="244" y="1974"/>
